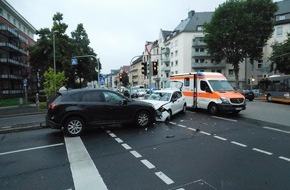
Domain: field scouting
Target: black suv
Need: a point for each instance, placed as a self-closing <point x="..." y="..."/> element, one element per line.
<point x="73" y="110"/>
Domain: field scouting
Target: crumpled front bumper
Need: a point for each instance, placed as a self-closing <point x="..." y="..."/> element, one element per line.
<point x="162" y="116"/>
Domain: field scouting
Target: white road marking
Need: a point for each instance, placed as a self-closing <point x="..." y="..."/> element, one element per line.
<point x="279" y="130"/>
<point x="192" y="129"/>
<point x="284" y="158"/>
<point x="112" y="135"/>
<point x="262" y="151"/>
<point x="164" y="178"/>
<point x="136" y="154"/>
<point x="127" y="147"/>
<point x="118" y="140"/>
<point x="148" y="164"/>
<point x="172" y="123"/>
<point x="84" y="172"/>
<point x="221" y="138"/>
<point x="239" y="144"/>
<point x="233" y="120"/>
<point x="205" y="133"/>
<point x="181" y="125"/>
<point x="28" y="149"/>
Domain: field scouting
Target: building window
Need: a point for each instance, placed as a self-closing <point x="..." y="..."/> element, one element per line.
<point x="176" y="53"/>
<point x="199" y="28"/>
<point x="176" y="43"/>
<point x="280" y="17"/>
<point x="171" y="64"/>
<point x="259" y="65"/>
<point x="176" y="63"/>
<point x="231" y="72"/>
<point x="279" y="31"/>
<point x="202" y="60"/>
<point x="8" y="17"/>
<point x="1" y="11"/>
<point x="176" y="72"/>
<point x="196" y="60"/>
<point x="201" y="49"/>
<point x="171" y="54"/>
<point x="196" y="50"/>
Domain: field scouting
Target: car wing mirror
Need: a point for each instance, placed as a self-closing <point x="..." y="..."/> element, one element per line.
<point x="207" y="89"/>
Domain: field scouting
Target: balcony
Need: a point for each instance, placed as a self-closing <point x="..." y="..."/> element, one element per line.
<point x="12" y="33"/>
<point x="12" y="61"/>
<point x="198" y="43"/>
<point x="12" y="48"/>
<point x="207" y="65"/>
<point x="200" y="54"/>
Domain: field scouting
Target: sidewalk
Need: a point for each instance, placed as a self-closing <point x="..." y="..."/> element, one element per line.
<point x="29" y="109"/>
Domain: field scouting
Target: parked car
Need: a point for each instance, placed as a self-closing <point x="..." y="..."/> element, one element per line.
<point x="248" y="94"/>
<point x="141" y="92"/>
<point x="167" y="102"/>
<point x="74" y="110"/>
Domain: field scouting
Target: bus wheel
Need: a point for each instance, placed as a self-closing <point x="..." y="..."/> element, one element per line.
<point x="269" y="98"/>
<point x="213" y="109"/>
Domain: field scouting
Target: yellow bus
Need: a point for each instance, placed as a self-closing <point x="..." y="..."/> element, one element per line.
<point x="275" y="88"/>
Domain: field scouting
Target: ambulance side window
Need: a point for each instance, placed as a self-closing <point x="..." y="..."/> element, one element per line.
<point x="186" y="82"/>
<point x="203" y="85"/>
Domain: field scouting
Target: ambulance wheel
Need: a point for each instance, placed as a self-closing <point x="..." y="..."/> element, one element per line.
<point x="213" y="109"/>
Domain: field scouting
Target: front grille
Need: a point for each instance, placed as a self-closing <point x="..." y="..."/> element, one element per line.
<point x="237" y="100"/>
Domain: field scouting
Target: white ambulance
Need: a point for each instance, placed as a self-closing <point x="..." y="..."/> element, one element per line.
<point x="208" y="90"/>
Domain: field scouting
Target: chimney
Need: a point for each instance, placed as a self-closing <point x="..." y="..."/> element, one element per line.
<point x="191" y="13"/>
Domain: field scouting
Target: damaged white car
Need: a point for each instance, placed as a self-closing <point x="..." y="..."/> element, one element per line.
<point x="167" y="103"/>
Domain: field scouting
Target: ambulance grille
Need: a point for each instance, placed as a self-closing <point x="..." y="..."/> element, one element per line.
<point x="237" y="100"/>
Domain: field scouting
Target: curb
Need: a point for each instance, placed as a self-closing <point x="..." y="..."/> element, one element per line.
<point x="22" y="127"/>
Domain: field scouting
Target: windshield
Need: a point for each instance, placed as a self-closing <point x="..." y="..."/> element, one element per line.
<point x="221" y="85"/>
<point x="160" y="96"/>
<point x="174" y="84"/>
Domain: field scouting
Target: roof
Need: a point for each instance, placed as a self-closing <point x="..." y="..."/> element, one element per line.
<point x="284" y="7"/>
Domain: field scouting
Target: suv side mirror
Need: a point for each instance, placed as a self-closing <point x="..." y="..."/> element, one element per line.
<point x="207" y="89"/>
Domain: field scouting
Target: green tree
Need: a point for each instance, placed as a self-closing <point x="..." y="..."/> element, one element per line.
<point x="86" y="69"/>
<point x="281" y="57"/>
<point x="49" y="84"/>
<point x="238" y="30"/>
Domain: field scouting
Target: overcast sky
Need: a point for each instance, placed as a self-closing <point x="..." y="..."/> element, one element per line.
<point x="117" y="29"/>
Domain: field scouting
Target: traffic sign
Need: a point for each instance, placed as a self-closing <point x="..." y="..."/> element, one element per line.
<point x="102" y="80"/>
<point x="74" y="61"/>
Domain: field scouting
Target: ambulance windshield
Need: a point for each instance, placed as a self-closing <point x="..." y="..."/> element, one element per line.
<point x="221" y="85"/>
<point x="174" y="84"/>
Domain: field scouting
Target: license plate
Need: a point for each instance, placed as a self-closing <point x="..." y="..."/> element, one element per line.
<point x="239" y="108"/>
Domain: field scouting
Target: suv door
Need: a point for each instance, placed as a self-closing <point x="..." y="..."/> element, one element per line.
<point x="118" y="111"/>
<point x="95" y="108"/>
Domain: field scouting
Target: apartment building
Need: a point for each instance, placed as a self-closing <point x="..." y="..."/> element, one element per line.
<point x="16" y="35"/>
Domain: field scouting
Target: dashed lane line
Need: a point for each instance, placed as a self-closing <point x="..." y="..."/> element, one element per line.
<point x="221" y="138"/>
<point x="222" y="118"/>
<point x="262" y="151"/>
<point x="164" y="178"/>
<point x="136" y="154"/>
<point x="148" y="164"/>
<point x="239" y="144"/>
<point x="284" y="158"/>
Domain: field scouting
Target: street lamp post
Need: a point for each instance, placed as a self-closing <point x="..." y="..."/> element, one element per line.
<point x="54" y="65"/>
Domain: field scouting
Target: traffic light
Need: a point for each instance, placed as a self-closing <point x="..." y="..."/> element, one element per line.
<point x="249" y="81"/>
<point x="144" y="68"/>
<point x="155" y="67"/>
<point x="121" y="76"/>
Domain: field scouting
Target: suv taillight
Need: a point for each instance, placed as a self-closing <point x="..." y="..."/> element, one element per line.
<point x="52" y="106"/>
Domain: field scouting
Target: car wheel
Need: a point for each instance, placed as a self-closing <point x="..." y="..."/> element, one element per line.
<point x="143" y="119"/>
<point x="184" y="109"/>
<point x="74" y="126"/>
<point x="213" y="109"/>
<point x="251" y="98"/>
<point x="269" y="98"/>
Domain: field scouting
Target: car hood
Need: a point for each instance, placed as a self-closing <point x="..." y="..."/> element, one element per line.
<point x="156" y="103"/>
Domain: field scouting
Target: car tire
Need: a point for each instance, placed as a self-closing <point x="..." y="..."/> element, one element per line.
<point x="251" y="98"/>
<point x="213" y="109"/>
<point x="74" y="126"/>
<point x="169" y="117"/>
<point x="183" y="109"/>
<point x="143" y="119"/>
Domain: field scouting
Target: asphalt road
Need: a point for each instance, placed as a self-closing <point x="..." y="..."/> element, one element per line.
<point x="193" y="151"/>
